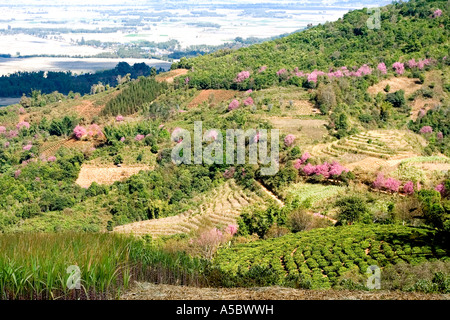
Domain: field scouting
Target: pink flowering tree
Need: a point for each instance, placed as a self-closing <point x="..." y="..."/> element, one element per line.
<point x="379" y="181"/>
<point x="426" y="129"/>
<point x="241" y="76"/>
<point x="289" y="140"/>
<point x="94" y="130"/>
<point x="437" y="13"/>
<point x="79" y="132"/>
<point x="408" y="188"/>
<point x="309" y="169"/>
<point x="17" y="173"/>
<point x="209" y="241"/>
<point x="382" y="68"/>
<point x="51" y="159"/>
<point x="392" y="184"/>
<point x="262" y="69"/>
<point x="305" y="157"/>
<point x="2" y="130"/>
<point x="298" y="164"/>
<point x="23" y="125"/>
<point x="212" y="135"/>
<point x="119" y="118"/>
<point x="440" y="136"/>
<point x="139" y="137"/>
<point x="248" y="101"/>
<point x="229" y="173"/>
<point x="399" y="67"/>
<point x="440" y="188"/>
<point x="27" y="147"/>
<point x="233" y="105"/>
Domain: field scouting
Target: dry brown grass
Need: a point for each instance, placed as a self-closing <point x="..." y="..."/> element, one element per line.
<point x="150" y="291"/>
<point x="171" y="75"/>
<point x="302" y="129"/>
<point x="107" y="174"/>
<point x="212" y="96"/>
<point x="421" y="103"/>
<point x="409" y="85"/>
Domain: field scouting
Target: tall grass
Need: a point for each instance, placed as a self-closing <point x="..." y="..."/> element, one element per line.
<point x="34" y="265"/>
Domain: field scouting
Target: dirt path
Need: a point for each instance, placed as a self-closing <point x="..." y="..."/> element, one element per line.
<point x="270" y="194"/>
<point x="150" y="291"/>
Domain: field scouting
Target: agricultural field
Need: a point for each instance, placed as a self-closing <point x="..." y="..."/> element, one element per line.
<point x="321" y="257"/>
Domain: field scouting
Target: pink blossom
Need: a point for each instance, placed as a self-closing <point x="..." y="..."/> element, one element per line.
<point x="412" y="63"/>
<point x="364" y="70"/>
<point x="382" y="67"/>
<point x="379" y="181"/>
<point x="297" y="164"/>
<point x="408" y="188"/>
<point x="392" y="184"/>
<point x="437" y="13"/>
<point x="122" y="139"/>
<point x="231" y="229"/>
<point x="426" y="129"/>
<point x="248" y="101"/>
<point x="17" y="173"/>
<point x="2" y="130"/>
<point x="440" y="136"/>
<point x="322" y="170"/>
<point x="119" y="118"/>
<point x="23" y="124"/>
<point x="318" y="215"/>
<point x="7" y="144"/>
<point x="305" y="157"/>
<point x="336" y="169"/>
<point x="186" y="80"/>
<point x="241" y="76"/>
<point x="233" y="105"/>
<point x="228" y="174"/>
<point x="257" y="137"/>
<point x="161" y="126"/>
<point x="440" y="188"/>
<point x="22" y="110"/>
<point x="13" y="134"/>
<point x="289" y="140"/>
<point x="27" y="147"/>
<point x="94" y="130"/>
<point x="262" y="69"/>
<point x="309" y="169"/>
<point x="281" y="72"/>
<point x="139" y="137"/>
<point x="212" y="135"/>
<point x="422" y="113"/>
<point x="249" y="91"/>
<point x="79" y="132"/>
<point x="51" y="159"/>
<point x="399" y="67"/>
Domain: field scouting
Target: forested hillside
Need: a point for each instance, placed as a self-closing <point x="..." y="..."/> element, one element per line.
<point x="408" y="30"/>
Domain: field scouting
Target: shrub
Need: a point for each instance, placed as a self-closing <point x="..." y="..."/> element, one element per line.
<point x="351" y="209"/>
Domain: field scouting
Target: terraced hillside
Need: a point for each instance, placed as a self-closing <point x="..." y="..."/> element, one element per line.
<point x="388" y="145"/>
<point x="218" y="208"/>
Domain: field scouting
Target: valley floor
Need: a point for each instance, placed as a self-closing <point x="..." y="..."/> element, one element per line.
<point x="149" y="291"/>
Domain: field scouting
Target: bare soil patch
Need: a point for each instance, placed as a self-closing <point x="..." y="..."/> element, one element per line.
<point x="212" y="96"/>
<point x="304" y="129"/>
<point x="422" y="104"/>
<point x="150" y="291"/>
<point x="171" y="75"/>
<point x="409" y="85"/>
<point x="107" y="174"/>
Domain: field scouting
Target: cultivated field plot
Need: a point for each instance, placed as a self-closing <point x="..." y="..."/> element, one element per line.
<point x="106" y="175"/>
<point x="50" y="148"/>
<point x="218" y="208"/>
<point x="324" y="255"/>
<point x="409" y="85"/>
<point x="213" y="97"/>
<point x="383" y="144"/>
<point x="287" y="101"/>
<point x="307" y="130"/>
